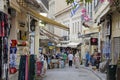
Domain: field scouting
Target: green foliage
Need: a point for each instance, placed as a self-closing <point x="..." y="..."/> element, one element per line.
<point x="71" y="1"/>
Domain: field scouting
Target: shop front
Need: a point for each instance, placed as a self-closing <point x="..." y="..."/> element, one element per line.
<point x="115" y="37"/>
<point x="91" y="40"/>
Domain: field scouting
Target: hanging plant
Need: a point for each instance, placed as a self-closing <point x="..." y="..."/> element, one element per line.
<point x="83" y="14"/>
<point x="86" y="18"/>
<point x="83" y="10"/>
<point x="102" y="1"/>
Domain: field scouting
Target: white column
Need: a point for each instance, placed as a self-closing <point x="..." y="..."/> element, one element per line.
<point x="37" y="35"/>
<point x="99" y="49"/>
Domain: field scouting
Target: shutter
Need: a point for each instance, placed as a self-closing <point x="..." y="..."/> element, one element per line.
<point x="116" y="48"/>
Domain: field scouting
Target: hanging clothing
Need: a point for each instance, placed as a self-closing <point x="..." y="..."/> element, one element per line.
<point x="0" y="58"/>
<point x="5" y="49"/>
<point x="32" y="68"/>
<point x="26" y="67"/>
<point x="13" y="56"/>
<point x="22" y="64"/>
<point x="38" y="68"/>
<point x="2" y="24"/>
<point x="3" y="44"/>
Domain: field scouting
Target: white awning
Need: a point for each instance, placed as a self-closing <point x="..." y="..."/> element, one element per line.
<point x="62" y="45"/>
<point x="73" y="44"/>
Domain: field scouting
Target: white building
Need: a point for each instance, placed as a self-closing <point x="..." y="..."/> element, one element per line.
<point x="60" y="11"/>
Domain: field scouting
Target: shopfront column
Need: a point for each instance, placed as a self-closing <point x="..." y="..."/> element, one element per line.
<point x="99" y="40"/>
<point x="37" y="35"/>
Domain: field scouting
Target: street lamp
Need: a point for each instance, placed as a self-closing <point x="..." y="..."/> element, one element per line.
<point x="32" y="25"/>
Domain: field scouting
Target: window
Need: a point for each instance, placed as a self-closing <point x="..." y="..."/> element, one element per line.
<point x="78" y="27"/>
<point x="90" y="6"/>
<point x="96" y="4"/>
<point x="73" y="29"/>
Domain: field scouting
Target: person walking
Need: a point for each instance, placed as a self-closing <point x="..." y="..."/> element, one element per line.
<point x="87" y="56"/>
<point x="77" y="60"/>
<point x="64" y="58"/>
<point x="70" y="59"/>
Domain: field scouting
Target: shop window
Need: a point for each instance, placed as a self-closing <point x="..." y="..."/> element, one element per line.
<point x="22" y="35"/>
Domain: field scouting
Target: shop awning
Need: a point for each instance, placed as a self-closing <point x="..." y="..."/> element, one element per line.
<point x="51" y="37"/>
<point x="43" y="18"/>
<point x="90" y="31"/>
<point x="14" y="4"/>
<point x="62" y="45"/>
<point x="52" y="34"/>
<point x="88" y="35"/>
<point x="73" y="44"/>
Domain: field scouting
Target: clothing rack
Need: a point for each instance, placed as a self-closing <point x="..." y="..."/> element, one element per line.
<point x="4" y="30"/>
<point x="27" y="67"/>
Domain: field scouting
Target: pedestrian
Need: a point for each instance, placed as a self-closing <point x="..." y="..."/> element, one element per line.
<point x="41" y="56"/>
<point x="49" y="61"/>
<point x="70" y="59"/>
<point x="77" y="60"/>
<point x="44" y="66"/>
<point x="87" y="56"/>
<point x="92" y="60"/>
<point x="98" y="57"/>
<point x="64" y="58"/>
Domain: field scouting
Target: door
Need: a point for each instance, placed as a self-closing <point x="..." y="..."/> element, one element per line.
<point x="116" y="48"/>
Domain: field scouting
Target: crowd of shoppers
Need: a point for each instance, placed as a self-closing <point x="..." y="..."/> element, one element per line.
<point x="93" y="60"/>
<point x="58" y="60"/>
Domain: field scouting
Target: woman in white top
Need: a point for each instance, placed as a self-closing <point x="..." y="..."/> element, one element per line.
<point x="77" y="60"/>
<point x="70" y="59"/>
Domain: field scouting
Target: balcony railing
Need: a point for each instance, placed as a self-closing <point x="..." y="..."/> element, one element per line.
<point x="65" y="38"/>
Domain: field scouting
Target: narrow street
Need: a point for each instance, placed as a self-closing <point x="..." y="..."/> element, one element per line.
<point x="69" y="73"/>
<point x="39" y="34"/>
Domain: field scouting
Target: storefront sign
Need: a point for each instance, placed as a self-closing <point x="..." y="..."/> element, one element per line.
<point x="94" y="41"/>
<point x="51" y="47"/>
<point x="50" y="44"/>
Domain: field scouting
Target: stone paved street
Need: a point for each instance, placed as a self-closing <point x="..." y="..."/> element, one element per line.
<point x="84" y="73"/>
<point x="68" y="73"/>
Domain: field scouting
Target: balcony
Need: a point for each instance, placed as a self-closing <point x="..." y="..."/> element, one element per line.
<point x="100" y="9"/>
<point x="65" y="38"/>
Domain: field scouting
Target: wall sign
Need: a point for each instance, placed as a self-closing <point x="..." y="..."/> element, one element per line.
<point x="94" y="41"/>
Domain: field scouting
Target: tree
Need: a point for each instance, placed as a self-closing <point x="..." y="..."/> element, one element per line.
<point x="71" y="1"/>
<point x="115" y="3"/>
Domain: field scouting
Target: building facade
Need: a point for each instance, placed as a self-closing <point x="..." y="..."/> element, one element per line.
<point x="62" y="14"/>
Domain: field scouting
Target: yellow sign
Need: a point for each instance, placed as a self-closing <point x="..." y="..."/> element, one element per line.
<point x="51" y="47"/>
